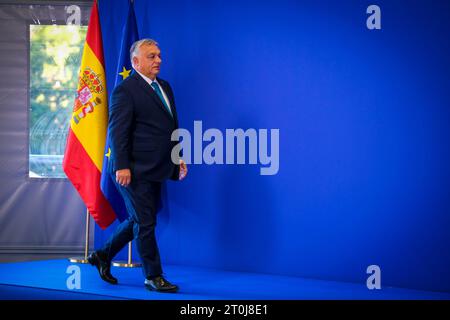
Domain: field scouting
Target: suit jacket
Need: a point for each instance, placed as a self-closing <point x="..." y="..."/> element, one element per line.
<point x="140" y="129"/>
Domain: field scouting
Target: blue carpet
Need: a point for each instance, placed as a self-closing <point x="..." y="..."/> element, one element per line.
<point x="47" y="280"/>
<point x="13" y="292"/>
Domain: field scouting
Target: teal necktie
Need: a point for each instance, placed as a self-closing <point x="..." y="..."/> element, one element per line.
<point x="160" y="95"/>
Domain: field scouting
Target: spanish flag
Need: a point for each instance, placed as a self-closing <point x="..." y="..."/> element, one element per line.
<point x="83" y="157"/>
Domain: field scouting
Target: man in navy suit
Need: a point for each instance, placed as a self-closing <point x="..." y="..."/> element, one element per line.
<point x="142" y="117"/>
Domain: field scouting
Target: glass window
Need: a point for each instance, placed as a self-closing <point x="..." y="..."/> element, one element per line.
<point x="55" y="56"/>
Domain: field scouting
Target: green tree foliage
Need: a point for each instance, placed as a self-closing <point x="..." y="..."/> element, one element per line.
<point x="55" y="57"/>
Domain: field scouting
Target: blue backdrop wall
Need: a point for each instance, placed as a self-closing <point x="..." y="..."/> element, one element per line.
<point x="364" y="135"/>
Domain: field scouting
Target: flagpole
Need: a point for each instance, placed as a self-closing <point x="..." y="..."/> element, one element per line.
<point x="129" y="263"/>
<point x="86" y="243"/>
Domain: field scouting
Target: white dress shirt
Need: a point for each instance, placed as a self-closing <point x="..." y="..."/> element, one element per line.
<point x="150" y="81"/>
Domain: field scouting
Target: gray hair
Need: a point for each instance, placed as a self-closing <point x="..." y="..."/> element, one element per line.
<point x="137" y="44"/>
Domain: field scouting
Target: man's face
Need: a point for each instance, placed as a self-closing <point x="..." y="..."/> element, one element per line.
<point x="148" y="60"/>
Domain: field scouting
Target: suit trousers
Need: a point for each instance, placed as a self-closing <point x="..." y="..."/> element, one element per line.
<point x="142" y="199"/>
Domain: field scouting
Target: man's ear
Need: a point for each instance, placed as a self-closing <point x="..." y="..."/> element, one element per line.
<point x="134" y="62"/>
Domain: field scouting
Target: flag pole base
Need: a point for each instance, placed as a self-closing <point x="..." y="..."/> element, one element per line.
<point x="125" y="264"/>
<point x="129" y="263"/>
<point x="78" y="260"/>
<point x="86" y="243"/>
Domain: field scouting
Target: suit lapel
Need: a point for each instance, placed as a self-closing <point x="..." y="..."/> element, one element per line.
<point x="149" y="91"/>
<point x="170" y="97"/>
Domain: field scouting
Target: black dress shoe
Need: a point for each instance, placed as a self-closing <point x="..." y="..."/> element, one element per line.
<point x="160" y="284"/>
<point x="103" y="267"/>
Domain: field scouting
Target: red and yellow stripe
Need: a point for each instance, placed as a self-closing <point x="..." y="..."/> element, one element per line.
<point x="83" y="156"/>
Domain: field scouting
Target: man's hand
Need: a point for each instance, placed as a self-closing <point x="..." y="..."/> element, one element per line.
<point x="183" y="170"/>
<point x="123" y="177"/>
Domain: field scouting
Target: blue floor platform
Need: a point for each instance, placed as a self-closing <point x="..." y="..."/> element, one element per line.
<point x="47" y="280"/>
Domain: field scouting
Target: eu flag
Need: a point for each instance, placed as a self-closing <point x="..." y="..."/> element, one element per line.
<point x="109" y="189"/>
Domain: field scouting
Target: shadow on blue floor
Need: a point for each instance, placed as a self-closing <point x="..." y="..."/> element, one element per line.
<point x="47" y="280"/>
